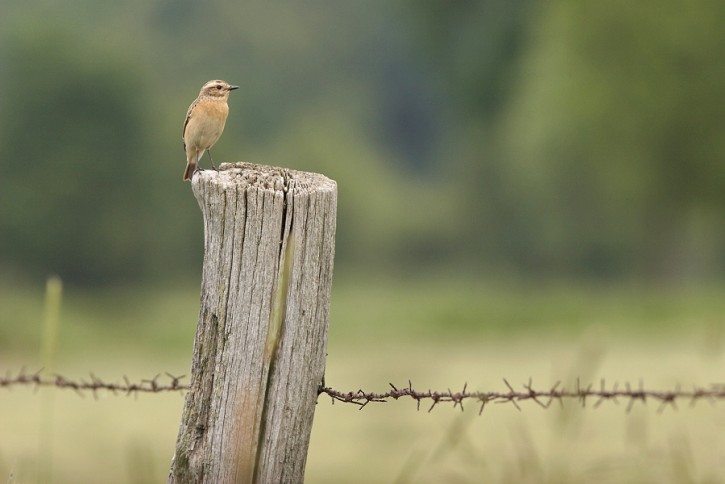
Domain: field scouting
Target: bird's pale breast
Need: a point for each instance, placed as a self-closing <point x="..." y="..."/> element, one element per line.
<point x="206" y="124"/>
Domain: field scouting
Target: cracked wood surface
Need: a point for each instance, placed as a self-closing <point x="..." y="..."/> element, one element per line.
<point x="260" y="346"/>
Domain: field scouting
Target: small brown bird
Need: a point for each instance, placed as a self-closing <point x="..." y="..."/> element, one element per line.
<point x="205" y="122"/>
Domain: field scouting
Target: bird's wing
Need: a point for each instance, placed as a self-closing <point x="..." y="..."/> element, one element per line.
<point x="188" y="117"/>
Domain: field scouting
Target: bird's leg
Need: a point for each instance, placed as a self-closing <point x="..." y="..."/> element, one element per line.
<point x="212" y="160"/>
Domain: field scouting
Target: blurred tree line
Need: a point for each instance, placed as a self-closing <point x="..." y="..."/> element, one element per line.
<point x="544" y="138"/>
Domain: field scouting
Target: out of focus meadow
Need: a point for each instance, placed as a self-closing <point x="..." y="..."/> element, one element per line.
<point x="526" y="190"/>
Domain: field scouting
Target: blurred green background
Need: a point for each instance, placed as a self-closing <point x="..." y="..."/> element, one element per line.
<point x="509" y="171"/>
<point x="565" y="138"/>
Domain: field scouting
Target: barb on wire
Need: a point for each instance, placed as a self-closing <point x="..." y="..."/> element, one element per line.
<point x="543" y="398"/>
<point x="510" y="395"/>
<point x="94" y="384"/>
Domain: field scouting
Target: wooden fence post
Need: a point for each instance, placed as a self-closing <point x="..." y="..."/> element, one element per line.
<point x="261" y="340"/>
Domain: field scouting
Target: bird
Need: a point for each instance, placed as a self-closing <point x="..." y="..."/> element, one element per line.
<point x="204" y="123"/>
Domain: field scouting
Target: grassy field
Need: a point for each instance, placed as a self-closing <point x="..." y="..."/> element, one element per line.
<point x="440" y="333"/>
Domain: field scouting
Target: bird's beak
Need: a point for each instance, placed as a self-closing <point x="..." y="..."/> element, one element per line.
<point x="231" y="88"/>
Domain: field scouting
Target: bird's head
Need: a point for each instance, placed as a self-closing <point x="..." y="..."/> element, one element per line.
<point x="217" y="89"/>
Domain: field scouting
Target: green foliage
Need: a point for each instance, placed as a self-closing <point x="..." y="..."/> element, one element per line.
<point x="73" y="141"/>
<point x="546" y="138"/>
<point x="616" y="132"/>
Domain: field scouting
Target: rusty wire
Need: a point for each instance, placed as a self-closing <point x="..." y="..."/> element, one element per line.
<point x="543" y="398"/>
<point x="94" y="384"/>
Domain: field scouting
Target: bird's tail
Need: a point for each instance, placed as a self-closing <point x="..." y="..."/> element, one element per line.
<point x="190" y="169"/>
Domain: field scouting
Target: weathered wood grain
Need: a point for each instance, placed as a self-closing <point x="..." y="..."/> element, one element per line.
<point x="260" y="346"/>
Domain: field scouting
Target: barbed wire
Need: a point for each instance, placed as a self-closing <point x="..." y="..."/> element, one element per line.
<point x="544" y="398"/>
<point x="94" y="384"/>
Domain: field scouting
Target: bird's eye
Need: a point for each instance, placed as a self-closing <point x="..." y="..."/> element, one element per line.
<point x="218" y="86"/>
